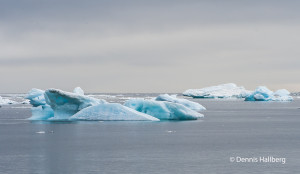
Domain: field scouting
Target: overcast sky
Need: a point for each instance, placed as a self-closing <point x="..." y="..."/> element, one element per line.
<point x="148" y="46"/>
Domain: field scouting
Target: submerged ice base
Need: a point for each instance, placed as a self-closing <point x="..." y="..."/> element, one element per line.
<point x="111" y="112"/>
<point x="43" y="112"/>
<point x="163" y="110"/>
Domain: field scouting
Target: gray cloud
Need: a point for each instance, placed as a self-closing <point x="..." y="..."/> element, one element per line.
<point x="148" y="46"/>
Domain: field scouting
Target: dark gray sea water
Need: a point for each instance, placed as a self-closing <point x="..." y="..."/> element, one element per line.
<point x="232" y="130"/>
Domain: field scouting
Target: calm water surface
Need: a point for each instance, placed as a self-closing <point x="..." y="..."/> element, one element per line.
<point x="230" y="128"/>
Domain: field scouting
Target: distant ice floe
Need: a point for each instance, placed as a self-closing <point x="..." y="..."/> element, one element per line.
<point x="13" y="99"/>
<point x="262" y="93"/>
<point x="103" y="95"/>
<point x="5" y="101"/>
<point x="221" y="91"/>
<point x="189" y="104"/>
<point x="40" y="132"/>
<point x="26" y="101"/>
<point x="21" y="107"/>
<point x="163" y="110"/>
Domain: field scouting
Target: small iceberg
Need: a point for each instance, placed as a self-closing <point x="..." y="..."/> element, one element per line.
<point x="78" y="91"/>
<point x="262" y="93"/>
<point x="163" y="110"/>
<point x="111" y="112"/>
<point x="221" y="91"/>
<point x="189" y="104"/>
<point x="36" y="97"/>
<point x="40" y="132"/>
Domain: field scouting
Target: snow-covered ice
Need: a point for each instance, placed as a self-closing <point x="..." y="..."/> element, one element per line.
<point x="282" y="92"/>
<point x="262" y="93"/>
<point x="111" y="112"/>
<point x="163" y="110"/>
<point x="220" y="91"/>
<point x="172" y="98"/>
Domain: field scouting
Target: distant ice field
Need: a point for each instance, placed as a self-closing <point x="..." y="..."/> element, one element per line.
<point x="118" y="97"/>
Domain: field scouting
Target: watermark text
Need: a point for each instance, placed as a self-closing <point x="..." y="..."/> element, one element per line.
<point x="260" y="159"/>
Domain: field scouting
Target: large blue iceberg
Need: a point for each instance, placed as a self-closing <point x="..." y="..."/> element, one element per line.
<point x="172" y="98"/>
<point x="55" y="104"/>
<point x="163" y="110"/>
<point x="111" y="112"/>
<point x="229" y="90"/>
<point x="262" y="93"/>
